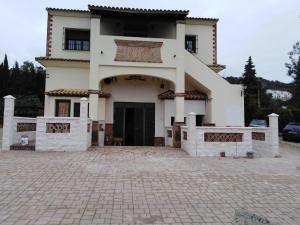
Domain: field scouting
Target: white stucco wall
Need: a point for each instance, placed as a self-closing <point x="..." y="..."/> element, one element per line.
<point x="58" y="39"/>
<point x="62" y="77"/>
<point x="205" y="41"/>
<point x="189" y="106"/>
<point x="226" y="102"/>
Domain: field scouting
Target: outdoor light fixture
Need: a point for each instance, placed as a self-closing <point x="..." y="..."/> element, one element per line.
<point x="135" y="77"/>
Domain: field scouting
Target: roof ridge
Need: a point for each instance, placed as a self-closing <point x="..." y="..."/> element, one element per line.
<point x="69" y="10"/>
<point x="136" y="9"/>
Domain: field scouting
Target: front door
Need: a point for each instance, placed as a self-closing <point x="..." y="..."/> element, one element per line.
<point x="135" y="123"/>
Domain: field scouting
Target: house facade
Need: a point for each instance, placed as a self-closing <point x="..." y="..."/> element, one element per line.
<point x="143" y="71"/>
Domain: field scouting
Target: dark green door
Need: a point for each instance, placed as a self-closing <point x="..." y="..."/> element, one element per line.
<point x="135" y="123"/>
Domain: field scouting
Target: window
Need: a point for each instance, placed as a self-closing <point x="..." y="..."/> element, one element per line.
<point x="77" y="39"/>
<point x="76" y="109"/>
<point x="191" y="43"/>
<point x="199" y="119"/>
<point x="173" y="120"/>
<point x="62" y="108"/>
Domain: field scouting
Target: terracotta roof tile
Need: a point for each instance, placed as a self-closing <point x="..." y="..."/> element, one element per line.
<point x="189" y="95"/>
<point x="74" y="93"/>
<point x="66" y="10"/>
<point x="202" y="18"/>
<point x="61" y="59"/>
<point x="136" y="10"/>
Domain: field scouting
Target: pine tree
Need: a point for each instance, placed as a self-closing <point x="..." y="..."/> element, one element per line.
<point x="4" y="76"/>
<point x="294" y="72"/>
<point x="251" y="90"/>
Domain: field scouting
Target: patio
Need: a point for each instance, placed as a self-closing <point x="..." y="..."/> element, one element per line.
<point x="138" y="185"/>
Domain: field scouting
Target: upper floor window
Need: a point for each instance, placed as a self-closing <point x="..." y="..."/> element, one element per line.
<point x="77" y="39"/>
<point x="191" y="43"/>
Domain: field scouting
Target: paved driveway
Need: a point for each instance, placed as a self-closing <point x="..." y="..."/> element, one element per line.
<point x="144" y="186"/>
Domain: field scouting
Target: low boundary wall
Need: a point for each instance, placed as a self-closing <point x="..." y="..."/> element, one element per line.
<point x="234" y="141"/>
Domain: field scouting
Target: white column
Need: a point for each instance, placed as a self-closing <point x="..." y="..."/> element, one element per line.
<point x="180" y="74"/>
<point x="94" y="67"/>
<point x="83" y="123"/>
<point x="273" y="130"/>
<point x="47" y="106"/>
<point x="8" y="120"/>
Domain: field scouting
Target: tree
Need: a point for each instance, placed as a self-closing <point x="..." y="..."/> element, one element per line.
<point x="251" y="94"/>
<point x="4" y="75"/>
<point x="294" y="72"/>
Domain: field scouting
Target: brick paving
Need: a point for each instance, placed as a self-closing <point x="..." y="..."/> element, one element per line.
<point x="130" y="185"/>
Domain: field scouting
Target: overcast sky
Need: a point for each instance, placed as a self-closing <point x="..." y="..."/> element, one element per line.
<point x="264" y="29"/>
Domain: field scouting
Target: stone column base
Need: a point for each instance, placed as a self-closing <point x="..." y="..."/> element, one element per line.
<point x="177" y="134"/>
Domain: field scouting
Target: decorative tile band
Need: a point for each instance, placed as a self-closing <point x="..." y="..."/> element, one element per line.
<point x="138" y="51"/>
<point x="223" y="137"/>
<point x="184" y="135"/>
<point x="258" y="136"/>
<point x="22" y="127"/>
<point x="57" y="127"/>
<point x="169" y="133"/>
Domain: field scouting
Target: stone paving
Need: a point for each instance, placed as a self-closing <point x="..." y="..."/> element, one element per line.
<point x="137" y="185"/>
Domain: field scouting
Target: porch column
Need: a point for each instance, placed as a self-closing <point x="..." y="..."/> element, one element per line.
<point x="180" y="84"/>
<point x="47" y="106"/>
<point x="93" y="78"/>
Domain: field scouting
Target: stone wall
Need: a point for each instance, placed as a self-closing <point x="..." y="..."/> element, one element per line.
<point x="234" y="141"/>
<point x="23" y="126"/>
<point x="48" y="133"/>
<point x="64" y="133"/>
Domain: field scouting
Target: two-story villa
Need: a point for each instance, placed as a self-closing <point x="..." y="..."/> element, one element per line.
<point x="142" y="70"/>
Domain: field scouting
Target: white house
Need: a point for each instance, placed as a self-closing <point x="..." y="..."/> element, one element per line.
<point x="278" y="94"/>
<point x="142" y="70"/>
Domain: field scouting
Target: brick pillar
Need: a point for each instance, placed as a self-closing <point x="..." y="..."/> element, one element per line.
<point x="8" y="119"/>
<point x="274" y="138"/>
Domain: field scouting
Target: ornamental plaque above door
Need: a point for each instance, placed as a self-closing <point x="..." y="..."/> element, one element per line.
<point x="138" y="51"/>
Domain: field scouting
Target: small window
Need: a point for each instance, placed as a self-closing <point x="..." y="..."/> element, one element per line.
<point x="76" y="109"/>
<point x="199" y="119"/>
<point x="190" y="43"/>
<point x="62" y="108"/>
<point x="77" y="39"/>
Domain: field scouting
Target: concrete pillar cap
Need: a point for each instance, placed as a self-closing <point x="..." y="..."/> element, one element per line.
<point x="192" y="114"/>
<point x="9" y="97"/>
<point x="273" y="115"/>
<point x="83" y="99"/>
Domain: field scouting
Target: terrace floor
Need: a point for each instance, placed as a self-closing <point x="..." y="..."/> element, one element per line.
<point x="137" y="185"/>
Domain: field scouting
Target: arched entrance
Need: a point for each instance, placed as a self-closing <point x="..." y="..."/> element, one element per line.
<point x="134" y="115"/>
